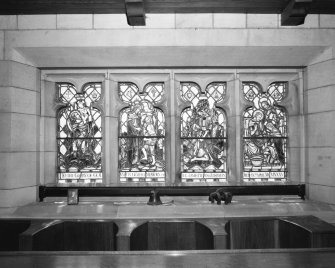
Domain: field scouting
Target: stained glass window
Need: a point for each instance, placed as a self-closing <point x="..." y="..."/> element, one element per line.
<point x="79" y="134"/>
<point x="203" y="134"/>
<point x="265" y="133"/>
<point x="141" y="134"/>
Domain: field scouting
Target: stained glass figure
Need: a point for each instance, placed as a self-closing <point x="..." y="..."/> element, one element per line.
<point x="203" y="134"/>
<point x="265" y="133"/>
<point x="79" y="134"/>
<point x="141" y="134"/>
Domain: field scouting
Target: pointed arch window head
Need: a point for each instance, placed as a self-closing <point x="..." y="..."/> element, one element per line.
<point x="265" y="133"/>
<point x="203" y="133"/>
<point x="79" y="134"/>
<point x="141" y="134"/>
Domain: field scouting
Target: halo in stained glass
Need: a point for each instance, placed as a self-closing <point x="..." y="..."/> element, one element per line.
<point x="142" y="134"/>
<point x="203" y="134"/>
<point x="265" y="136"/>
<point x="79" y="135"/>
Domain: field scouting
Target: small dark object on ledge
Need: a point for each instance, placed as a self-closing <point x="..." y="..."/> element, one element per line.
<point x="219" y="195"/>
<point x="154" y="198"/>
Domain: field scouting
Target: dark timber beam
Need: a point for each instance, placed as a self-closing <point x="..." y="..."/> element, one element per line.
<point x="295" y="12"/>
<point x="135" y="12"/>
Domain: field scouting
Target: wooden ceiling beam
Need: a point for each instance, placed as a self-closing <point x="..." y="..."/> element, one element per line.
<point x="22" y="7"/>
<point x="135" y="12"/>
<point x="295" y="12"/>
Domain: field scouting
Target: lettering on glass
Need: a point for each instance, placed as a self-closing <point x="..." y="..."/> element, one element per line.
<point x="141" y="134"/>
<point x="79" y="134"/>
<point x="203" y="133"/>
<point x="265" y="133"/>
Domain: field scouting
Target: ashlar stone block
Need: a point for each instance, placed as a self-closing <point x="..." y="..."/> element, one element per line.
<point x="110" y="21"/>
<point x="322" y="193"/>
<point x="327" y="21"/>
<point x="320" y="167"/>
<point x="19" y="100"/>
<point x="194" y="20"/>
<point x="18" y="169"/>
<point x="227" y="20"/>
<point x="8" y="22"/>
<point x="320" y="74"/>
<point x="160" y="21"/>
<point x="37" y="21"/>
<point x="17" y="197"/>
<point x="321" y="99"/>
<point x="320" y="129"/>
<point x="18" y="132"/>
<point x="75" y="21"/>
<point x="19" y="75"/>
<point x="262" y="20"/>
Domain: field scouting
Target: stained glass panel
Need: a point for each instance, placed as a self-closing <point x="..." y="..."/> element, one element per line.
<point x="203" y="134"/>
<point x="141" y="134"/>
<point x="265" y="133"/>
<point x="79" y="134"/>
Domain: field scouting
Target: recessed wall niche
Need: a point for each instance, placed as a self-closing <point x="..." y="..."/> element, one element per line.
<point x="169" y="127"/>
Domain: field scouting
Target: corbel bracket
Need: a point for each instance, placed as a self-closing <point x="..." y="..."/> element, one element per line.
<point x="295" y="12"/>
<point x="135" y="12"/>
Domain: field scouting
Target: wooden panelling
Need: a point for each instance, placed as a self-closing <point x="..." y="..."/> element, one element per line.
<point x="319" y="233"/>
<point x="204" y="237"/>
<point x="293" y="236"/>
<point x="252" y="234"/>
<point x="283" y="232"/>
<point x="156" y="6"/>
<point x="139" y="238"/>
<point x="74" y="236"/>
<point x="181" y="234"/>
<point x="155" y="235"/>
<point x="9" y="233"/>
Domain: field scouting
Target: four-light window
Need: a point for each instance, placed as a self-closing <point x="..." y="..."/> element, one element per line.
<point x="143" y="136"/>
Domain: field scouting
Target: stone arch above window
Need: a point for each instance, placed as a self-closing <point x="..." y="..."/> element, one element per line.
<point x="265" y="134"/>
<point x="79" y="134"/>
<point x="141" y="133"/>
<point x="203" y="133"/>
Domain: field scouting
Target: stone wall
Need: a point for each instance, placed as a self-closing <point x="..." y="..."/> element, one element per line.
<point x="19" y="133"/>
<point x="320" y="139"/>
<point x="31" y="42"/>
<point x="158" y="21"/>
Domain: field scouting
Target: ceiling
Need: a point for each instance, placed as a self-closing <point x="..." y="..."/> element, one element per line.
<point x="10" y="7"/>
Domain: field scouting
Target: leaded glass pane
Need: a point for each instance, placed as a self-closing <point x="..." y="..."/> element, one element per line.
<point x="79" y="134"/>
<point x="141" y="134"/>
<point x="203" y="134"/>
<point x="265" y="134"/>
